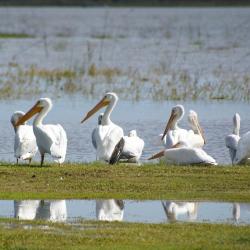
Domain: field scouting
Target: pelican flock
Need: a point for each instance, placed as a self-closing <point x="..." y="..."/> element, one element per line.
<point x="180" y="146"/>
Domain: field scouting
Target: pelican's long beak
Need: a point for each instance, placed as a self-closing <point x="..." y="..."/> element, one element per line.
<point x="34" y="110"/>
<point x="170" y="121"/>
<point x="200" y="130"/>
<point x="158" y="155"/>
<point x="104" y="102"/>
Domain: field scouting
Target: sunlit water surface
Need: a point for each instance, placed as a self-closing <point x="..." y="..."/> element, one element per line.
<point x="148" y="118"/>
<point x="127" y="210"/>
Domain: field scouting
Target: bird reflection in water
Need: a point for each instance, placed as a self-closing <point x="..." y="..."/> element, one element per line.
<point x="174" y="209"/>
<point x="54" y="210"/>
<point x="110" y="210"/>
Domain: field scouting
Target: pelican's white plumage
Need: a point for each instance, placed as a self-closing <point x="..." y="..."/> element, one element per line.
<point x="108" y="133"/>
<point x="182" y="154"/>
<point x="133" y="147"/>
<point x="109" y="210"/>
<point x="25" y="146"/>
<point x="232" y="140"/>
<point x="51" y="139"/>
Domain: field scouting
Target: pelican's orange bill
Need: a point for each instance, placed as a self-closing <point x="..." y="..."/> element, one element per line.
<point x="171" y="118"/>
<point x="158" y="155"/>
<point x="34" y="110"/>
<point x="104" y="102"/>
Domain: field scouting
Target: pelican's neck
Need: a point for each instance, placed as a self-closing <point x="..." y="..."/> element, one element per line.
<point x="177" y="120"/>
<point x="236" y="129"/>
<point x="40" y="116"/>
<point x="106" y="116"/>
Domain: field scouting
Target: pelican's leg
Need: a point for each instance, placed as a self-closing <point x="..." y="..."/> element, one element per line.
<point x="42" y="159"/>
<point x="30" y="160"/>
<point x="16" y="161"/>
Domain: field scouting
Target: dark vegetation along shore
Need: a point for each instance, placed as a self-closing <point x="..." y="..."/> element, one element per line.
<point x="124" y="3"/>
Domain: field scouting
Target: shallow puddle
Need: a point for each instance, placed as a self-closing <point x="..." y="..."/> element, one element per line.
<point x="127" y="210"/>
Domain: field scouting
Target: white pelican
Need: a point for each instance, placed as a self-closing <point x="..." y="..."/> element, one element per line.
<point x="109" y="210"/>
<point x="243" y="149"/>
<point x="130" y="148"/>
<point x="182" y="154"/>
<point x="233" y="139"/>
<point x="195" y="137"/>
<point x="51" y="139"/>
<point x="173" y="209"/>
<point x="25" y="141"/>
<point x="108" y="134"/>
<point x="173" y="134"/>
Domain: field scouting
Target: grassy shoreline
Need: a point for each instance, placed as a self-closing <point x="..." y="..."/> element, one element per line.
<point x="150" y="181"/>
<point x="115" y="235"/>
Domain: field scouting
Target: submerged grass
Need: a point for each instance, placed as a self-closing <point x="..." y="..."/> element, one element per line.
<point x="114" y="235"/>
<point x="124" y="182"/>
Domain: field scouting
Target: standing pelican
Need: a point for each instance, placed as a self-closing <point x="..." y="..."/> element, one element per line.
<point x="233" y="139"/>
<point x="51" y="139"/>
<point x="25" y="141"/>
<point x="109" y="210"/>
<point x="182" y="154"/>
<point x="108" y="134"/>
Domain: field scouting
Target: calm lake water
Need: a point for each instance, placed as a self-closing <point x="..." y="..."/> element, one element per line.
<point x="148" y="118"/>
<point x="127" y="210"/>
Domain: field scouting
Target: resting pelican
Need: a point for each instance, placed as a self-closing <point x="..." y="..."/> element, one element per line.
<point x="108" y="134"/>
<point x="182" y="154"/>
<point x="110" y="210"/>
<point x="233" y="139"/>
<point x="173" y="134"/>
<point x="173" y="209"/>
<point x="195" y="137"/>
<point x="133" y="146"/>
<point x="51" y="139"/>
<point x="25" y="141"/>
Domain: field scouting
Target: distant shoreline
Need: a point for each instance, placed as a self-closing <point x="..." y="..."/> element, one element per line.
<point x="121" y="3"/>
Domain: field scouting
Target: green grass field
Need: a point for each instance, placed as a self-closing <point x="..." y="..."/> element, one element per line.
<point x="124" y="182"/>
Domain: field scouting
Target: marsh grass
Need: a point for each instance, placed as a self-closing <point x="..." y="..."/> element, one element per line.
<point x="14" y="35"/>
<point x="97" y="180"/>
<point x="160" y="83"/>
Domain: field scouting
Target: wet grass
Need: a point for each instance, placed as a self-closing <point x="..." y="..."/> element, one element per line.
<point x="124" y="182"/>
<point x="114" y="235"/>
